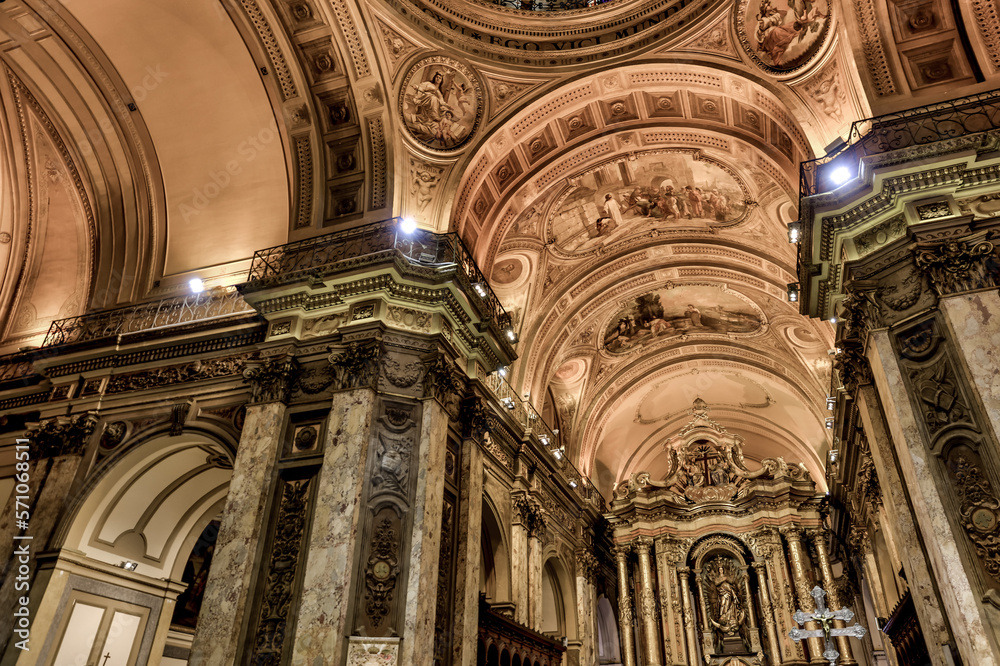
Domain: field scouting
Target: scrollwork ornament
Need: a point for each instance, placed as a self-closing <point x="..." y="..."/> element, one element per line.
<point x="271" y="380"/>
<point x="979" y="512"/>
<point x="587" y="565"/>
<point x="852" y="365"/>
<point x="442" y="380"/>
<point x="529" y="514"/>
<point x="474" y="417"/>
<point x="357" y="366"/>
<point x="381" y="572"/>
<point x="62" y="435"/>
<point x="956" y="266"/>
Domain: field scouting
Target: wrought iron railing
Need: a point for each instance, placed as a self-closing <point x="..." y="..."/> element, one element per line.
<point x="213" y="304"/>
<point x="545" y="6"/>
<point x="323" y="255"/>
<point x="913" y="127"/>
<point x="525" y="414"/>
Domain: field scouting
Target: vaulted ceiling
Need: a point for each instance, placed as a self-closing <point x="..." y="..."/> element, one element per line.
<point x="143" y="143"/>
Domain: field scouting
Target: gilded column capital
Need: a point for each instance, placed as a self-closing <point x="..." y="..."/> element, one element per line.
<point x="642" y="545"/>
<point x="271" y="380"/>
<point x="791" y="533"/>
<point x="62" y="435"/>
<point x="621" y="551"/>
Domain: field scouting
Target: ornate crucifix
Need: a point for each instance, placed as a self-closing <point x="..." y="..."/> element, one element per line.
<point x="825" y="617"/>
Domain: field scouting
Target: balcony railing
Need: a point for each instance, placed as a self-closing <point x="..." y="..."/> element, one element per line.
<point x="913" y="127"/>
<point x="445" y="254"/>
<point x="217" y="303"/>
<point x="524" y="413"/>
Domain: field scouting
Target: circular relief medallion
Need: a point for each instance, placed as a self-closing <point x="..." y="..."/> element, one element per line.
<point x="783" y="35"/>
<point x="381" y="570"/>
<point x="984" y="519"/>
<point x="441" y="103"/>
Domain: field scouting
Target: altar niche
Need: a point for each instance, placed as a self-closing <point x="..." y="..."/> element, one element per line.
<point x="727" y="612"/>
<point x="727" y="547"/>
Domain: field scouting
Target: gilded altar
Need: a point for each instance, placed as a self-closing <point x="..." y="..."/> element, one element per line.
<point x="716" y="556"/>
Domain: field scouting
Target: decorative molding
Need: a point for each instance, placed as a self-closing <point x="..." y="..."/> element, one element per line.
<point x="274" y="53"/>
<point x="381" y="572"/>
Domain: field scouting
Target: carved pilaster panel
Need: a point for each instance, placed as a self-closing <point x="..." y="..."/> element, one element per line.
<point x="978" y="507"/>
<point x="443" y="620"/>
<point x="384" y="532"/>
<point x="280" y="589"/>
<point x="63" y="435"/>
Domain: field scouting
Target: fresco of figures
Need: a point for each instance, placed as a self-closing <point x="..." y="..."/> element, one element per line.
<point x="440" y="103"/>
<point x="784" y="34"/>
<point x="682" y="310"/>
<point x="652" y="190"/>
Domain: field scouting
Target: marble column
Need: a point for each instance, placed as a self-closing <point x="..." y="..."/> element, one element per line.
<point x="535" y="580"/>
<point x="650" y="621"/>
<point x="832" y="598"/>
<point x="55" y="449"/>
<point x="625" y="615"/>
<point x="417" y="647"/>
<point x="689" y="623"/>
<point x="468" y="554"/>
<point x="900" y="520"/>
<point x="586" y="601"/>
<point x="519" y="571"/>
<point x="767" y="614"/>
<point x="920" y="470"/>
<point x="799" y="560"/>
<point x="228" y="592"/>
<point x="321" y="627"/>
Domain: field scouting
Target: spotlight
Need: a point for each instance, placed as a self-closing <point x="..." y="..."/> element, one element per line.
<point x="502" y="371"/>
<point x="129" y="565"/>
<point x="511" y="335"/>
<point x="829" y="423"/>
<point x="408" y="225"/>
<point x="480" y="289"/>
<point x="572" y="483"/>
<point x="833" y="320"/>
<point x="793" y="292"/>
<point x="558" y="453"/>
<point x="545" y="440"/>
<point x="508" y="403"/>
<point x="840" y="175"/>
<point x="831" y="402"/>
<point x="833" y="454"/>
<point x="794" y="232"/>
<point x="556" y="431"/>
<point x="196" y="285"/>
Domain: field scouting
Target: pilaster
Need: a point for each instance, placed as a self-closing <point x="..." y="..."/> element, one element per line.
<point x="650" y="621"/>
<point x="229" y="591"/>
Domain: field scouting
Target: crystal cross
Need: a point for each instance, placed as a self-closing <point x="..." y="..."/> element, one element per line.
<point x="825" y="617"/>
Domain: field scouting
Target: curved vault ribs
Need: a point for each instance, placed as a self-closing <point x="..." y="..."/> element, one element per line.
<point x="580" y="302"/>
<point x="107" y="149"/>
<point x="640" y="377"/>
<point x="579" y="122"/>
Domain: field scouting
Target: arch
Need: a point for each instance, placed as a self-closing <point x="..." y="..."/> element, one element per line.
<point x="558" y="606"/>
<point x="494" y="576"/>
<point x="150" y="504"/>
<point x="608" y="641"/>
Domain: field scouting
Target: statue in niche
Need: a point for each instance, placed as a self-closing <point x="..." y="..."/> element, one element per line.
<point x="727" y="612"/>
